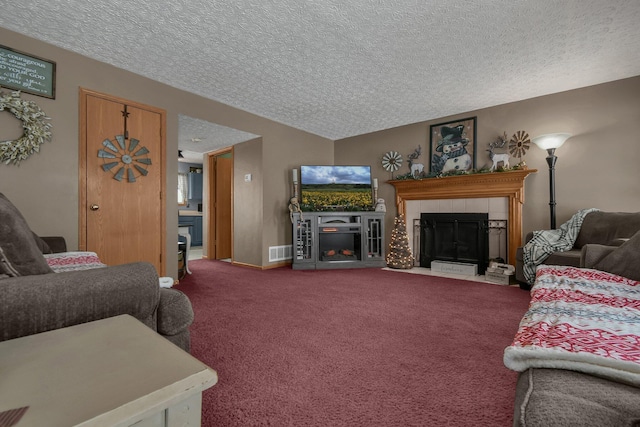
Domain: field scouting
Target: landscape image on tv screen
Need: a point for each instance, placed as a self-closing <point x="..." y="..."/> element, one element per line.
<point x="324" y="188"/>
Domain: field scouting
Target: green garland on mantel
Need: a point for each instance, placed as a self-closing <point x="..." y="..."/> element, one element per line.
<point x="407" y="176"/>
<point x="36" y="130"/>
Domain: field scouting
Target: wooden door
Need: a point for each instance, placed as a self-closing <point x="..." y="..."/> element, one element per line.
<point x="221" y="205"/>
<point x="122" y="180"/>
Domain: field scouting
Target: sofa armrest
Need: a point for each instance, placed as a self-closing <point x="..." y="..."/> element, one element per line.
<point x="57" y="244"/>
<point x="528" y="237"/>
<point x="39" y="303"/>
<point x="175" y="313"/>
<point x="592" y="253"/>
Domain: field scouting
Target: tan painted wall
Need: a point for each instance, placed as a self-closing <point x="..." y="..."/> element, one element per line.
<point x="597" y="167"/>
<point x="45" y="186"/>
<point x="279" y="160"/>
<point x="247" y="202"/>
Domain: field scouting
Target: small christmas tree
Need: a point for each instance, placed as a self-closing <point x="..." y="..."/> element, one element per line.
<point x="399" y="255"/>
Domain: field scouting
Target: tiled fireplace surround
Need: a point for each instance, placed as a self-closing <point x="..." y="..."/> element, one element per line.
<point x="500" y="194"/>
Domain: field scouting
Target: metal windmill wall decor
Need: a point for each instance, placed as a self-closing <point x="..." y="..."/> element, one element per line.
<point x="122" y="159"/>
<point x="519" y="145"/>
<point x="391" y="162"/>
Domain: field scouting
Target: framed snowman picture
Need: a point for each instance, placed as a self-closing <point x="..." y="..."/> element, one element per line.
<point x="452" y="147"/>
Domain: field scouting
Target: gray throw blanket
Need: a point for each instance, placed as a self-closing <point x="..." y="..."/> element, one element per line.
<point x="546" y="242"/>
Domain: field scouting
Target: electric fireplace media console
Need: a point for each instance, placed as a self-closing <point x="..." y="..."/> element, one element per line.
<point x="338" y="240"/>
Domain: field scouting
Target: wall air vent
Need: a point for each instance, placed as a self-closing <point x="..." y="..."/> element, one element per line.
<point x="280" y="253"/>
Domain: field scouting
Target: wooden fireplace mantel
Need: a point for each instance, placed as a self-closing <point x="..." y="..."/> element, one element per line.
<point x="497" y="184"/>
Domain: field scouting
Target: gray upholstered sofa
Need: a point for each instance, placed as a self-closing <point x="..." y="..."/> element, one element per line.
<point x="561" y="398"/>
<point x="558" y="397"/>
<point x="35" y="299"/>
<point x="602" y="228"/>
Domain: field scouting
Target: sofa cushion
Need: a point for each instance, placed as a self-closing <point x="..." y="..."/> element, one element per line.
<point x="42" y="245"/>
<point x="56" y="244"/>
<point x="623" y="259"/>
<point x="556" y="397"/>
<point x="19" y="252"/>
<point x="593" y="254"/>
<point x="570" y="257"/>
<point x="605" y="227"/>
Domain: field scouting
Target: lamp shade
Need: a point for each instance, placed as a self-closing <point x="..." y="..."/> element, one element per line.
<point x="551" y="140"/>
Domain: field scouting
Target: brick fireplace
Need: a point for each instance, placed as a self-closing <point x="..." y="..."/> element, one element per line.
<point x="498" y="188"/>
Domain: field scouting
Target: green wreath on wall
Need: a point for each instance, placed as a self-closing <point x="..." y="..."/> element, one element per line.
<point x="36" y="129"/>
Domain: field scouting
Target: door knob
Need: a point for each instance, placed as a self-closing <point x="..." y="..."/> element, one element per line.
<point x="94" y="207"/>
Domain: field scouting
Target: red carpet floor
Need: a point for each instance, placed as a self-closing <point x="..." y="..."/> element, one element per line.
<point x="363" y="347"/>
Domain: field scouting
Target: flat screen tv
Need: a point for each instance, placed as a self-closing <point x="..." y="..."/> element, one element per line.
<point x="335" y="188"/>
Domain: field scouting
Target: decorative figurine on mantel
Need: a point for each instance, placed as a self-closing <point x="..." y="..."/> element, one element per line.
<point x="417" y="169"/>
<point x="498" y="157"/>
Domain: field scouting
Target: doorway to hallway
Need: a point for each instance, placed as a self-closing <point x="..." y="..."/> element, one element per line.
<point x="220" y="236"/>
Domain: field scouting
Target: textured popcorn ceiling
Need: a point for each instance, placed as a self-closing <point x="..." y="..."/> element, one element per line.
<point x="197" y="136"/>
<point x="342" y="68"/>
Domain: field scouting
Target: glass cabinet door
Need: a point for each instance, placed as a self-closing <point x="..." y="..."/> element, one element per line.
<point x="303" y="239"/>
<point x="375" y="237"/>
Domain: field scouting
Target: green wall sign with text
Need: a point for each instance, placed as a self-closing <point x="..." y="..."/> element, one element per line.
<point x="27" y="73"/>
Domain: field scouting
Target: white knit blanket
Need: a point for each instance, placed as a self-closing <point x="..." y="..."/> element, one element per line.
<point x="583" y="320"/>
<point x="545" y="242"/>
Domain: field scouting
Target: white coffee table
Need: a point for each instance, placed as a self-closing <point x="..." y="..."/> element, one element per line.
<point x="112" y="372"/>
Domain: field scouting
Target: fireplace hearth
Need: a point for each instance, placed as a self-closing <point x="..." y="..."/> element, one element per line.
<point x="454" y="237"/>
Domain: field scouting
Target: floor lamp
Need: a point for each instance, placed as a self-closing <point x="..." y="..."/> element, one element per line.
<point x="550" y="142"/>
